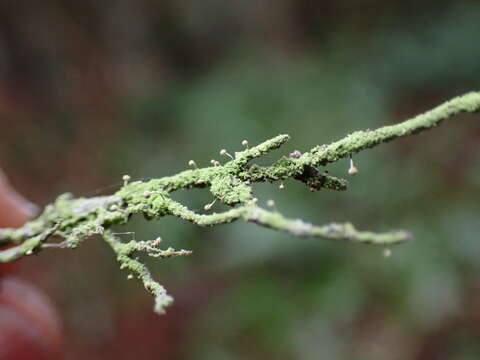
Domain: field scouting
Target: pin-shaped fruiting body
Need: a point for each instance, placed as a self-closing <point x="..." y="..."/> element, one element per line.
<point x="224" y="152"/>
<point x="147" y="193"/>
<point x="126" y="179"/>
<point x="192" y="164"/>
<point x="215" y="162"/>
<point x="157" y="241"/>
<point x="387" y="252"/>
<point x="281" y="186"/>
<point x="245" y="143"/>
<point x="271" y="204"/>
<point x="209" y="206"/>
<point x="352" y="170"/>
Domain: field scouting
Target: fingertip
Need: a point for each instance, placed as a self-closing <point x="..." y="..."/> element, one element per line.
<point x="15" y="210"/>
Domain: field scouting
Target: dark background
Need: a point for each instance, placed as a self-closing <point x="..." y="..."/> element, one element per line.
<point x="93" y="90"/>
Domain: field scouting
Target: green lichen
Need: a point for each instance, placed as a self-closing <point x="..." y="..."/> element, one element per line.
<point x="75" y="219"/>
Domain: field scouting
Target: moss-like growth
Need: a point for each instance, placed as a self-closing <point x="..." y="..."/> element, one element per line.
<point x="76" y="219"/>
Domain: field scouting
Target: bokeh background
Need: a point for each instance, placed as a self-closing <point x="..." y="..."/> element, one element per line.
<point x="93" y="90"/>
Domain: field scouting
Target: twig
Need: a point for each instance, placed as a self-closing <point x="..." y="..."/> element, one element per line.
<point x="75" y="219"/>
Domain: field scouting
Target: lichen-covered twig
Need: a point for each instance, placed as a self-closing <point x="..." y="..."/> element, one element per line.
<point x="334" y="231"/>
<point x="125" y="255"/>
<point x="75" y="219"/>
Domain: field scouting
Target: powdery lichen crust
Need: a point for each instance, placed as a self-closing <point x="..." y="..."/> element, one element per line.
<point x="75" y="219"/>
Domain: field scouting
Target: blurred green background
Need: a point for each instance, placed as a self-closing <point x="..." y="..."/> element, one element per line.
<point x="93" y="90"/>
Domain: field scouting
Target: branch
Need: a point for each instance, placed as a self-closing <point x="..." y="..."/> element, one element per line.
<point x="343" y="232"/>
<point x="75" y="219"/>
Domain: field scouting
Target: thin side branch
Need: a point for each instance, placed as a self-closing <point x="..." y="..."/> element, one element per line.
<point x="333" y="231"/>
